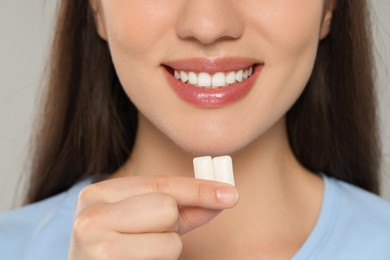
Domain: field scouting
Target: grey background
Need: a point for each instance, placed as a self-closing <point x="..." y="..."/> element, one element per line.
<point x="25" y="33"/>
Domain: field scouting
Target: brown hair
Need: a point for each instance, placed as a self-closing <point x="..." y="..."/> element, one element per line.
<point x="89" y="125"/>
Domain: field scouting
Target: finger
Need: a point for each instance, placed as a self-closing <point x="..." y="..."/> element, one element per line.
<point x="134" y="246"/>
<point x="186" y="191"/>
<point x="194" y="217"/>
<point x="146" y="213"/>
<point x="153" y="213"/>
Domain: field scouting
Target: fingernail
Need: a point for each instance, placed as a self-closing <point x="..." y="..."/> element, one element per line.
<point x="227" y="195"/>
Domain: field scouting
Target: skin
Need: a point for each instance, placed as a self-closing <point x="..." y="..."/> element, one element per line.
<point x="153" y="202"/>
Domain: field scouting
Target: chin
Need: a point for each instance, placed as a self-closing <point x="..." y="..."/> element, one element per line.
<point x="214" y="147"/>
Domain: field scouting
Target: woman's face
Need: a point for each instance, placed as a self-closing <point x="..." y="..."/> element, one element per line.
<point x="211" y="108"/>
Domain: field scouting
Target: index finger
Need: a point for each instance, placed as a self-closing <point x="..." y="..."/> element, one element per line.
<point x="186" y="191"/>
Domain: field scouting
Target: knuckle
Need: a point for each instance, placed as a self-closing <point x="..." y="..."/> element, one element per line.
<point x="86" y="222"/>
<point x="161" y="184"/>
<point x="176" y="246"/>
<point x="170" y="211"/>
<point x="88" y="193"/>
<point x="201" y="192"/>
<point x="102" y="250"/>
<point x="168" y="247"/>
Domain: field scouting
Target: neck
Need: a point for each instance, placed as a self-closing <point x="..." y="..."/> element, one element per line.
<point x="273" y="187"/>
<point x="265" y="157"/>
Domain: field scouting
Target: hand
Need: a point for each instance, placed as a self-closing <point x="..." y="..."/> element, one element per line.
<point x="144" y="217"/>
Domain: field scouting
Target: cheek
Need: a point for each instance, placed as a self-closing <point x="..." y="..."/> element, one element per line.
<point x="286" y="33"/>
<point x="286" y="27"/>
<point x="136" y="34"/>
<point x="137" y="26"/>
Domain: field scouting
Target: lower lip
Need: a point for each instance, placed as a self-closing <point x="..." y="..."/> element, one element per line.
<point x="212" y="98"/>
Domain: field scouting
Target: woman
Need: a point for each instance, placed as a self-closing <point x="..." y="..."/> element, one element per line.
<point x="138" y="88"/>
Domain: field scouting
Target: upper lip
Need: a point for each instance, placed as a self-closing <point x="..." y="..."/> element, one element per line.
<point x="212" y="65"/>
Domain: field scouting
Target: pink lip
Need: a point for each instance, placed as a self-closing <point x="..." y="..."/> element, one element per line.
<point x="212" y="98"/>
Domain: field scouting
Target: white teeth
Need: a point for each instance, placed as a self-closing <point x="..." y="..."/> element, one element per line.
<point x="231" y="78"/>
<point x="239" y="76"/>
<point x="204" y="80"/>
<point x="183" y="76"/>
<point x="192" y="78"/>
<point x="177" y="75"/>
<point x="219" y="79"/>
<point x="245" y="75"/>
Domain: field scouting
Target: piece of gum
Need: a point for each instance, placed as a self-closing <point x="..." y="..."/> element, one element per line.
<point x="223" y="169"/>
<point x="203" y="168"/>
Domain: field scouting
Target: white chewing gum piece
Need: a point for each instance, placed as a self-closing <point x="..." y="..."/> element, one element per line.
<point x="203" y="168"/>
<point x="223" y="169"/>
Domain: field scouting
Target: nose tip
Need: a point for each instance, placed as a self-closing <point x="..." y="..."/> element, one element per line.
<point x="209" y="21"/>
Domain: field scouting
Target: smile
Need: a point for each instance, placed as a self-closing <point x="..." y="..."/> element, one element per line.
<point x="213" y="83"/>
<point x="217" y="80"/>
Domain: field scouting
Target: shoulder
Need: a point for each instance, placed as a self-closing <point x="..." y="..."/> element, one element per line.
<point x="364" y="206"/>
<point x="28" y="232"/>
<point x="361" y="223"/>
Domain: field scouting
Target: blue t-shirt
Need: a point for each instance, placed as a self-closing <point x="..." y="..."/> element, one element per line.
<point x="353" y="224"/>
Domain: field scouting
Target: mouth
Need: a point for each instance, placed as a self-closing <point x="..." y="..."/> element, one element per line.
<point x="213" y="83"/>
<point x="207" y="80"/>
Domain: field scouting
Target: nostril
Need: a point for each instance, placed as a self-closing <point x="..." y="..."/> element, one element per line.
<point x="208" y="22"/>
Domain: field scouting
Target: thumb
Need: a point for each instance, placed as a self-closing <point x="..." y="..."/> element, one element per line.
<point x="193" y="217"/>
